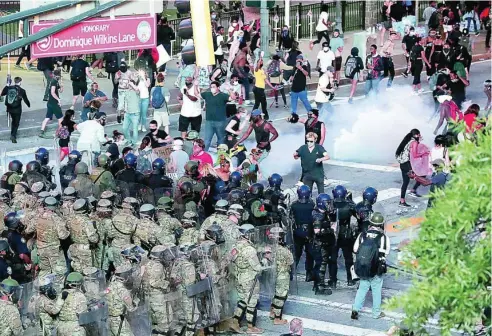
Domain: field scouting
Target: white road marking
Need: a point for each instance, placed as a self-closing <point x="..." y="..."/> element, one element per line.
<point x="329" y="327"/>
<point x="388" y="169"/>
<point x="383" y="195"/>
<point x="331" y="182"/>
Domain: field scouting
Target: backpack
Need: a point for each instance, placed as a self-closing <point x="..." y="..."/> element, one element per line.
<point x="77" y="74"/>
<point x="434" y="20"/>
<point x="143" y="164"/>
<point x="158" y="99"/>
<point x="112" y="63"/>
<point x="350" y="66"/>
<point x="141" y="63"/>
<point x="367" y="260"/>
<point x="413" y="54"/>
<point x="62" y="133"/>
<point x="13" y="96"/>
<point x="273" y="69"/>
<point x="214" y="41"/>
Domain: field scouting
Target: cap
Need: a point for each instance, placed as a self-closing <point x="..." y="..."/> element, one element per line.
<point x="255" y="113"/>
<point x="300" y="56"/>
<point x="438" y="162"/>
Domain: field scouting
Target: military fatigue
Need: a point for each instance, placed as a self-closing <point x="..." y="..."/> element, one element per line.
<point x="119" y="300"/>
<point x="68" y="320"/>
<point x="156" y="285"/>
<point x="209" y="221"/>
<point x="246" y="268"/>
<point x="47" y="310"/>
<point x="284" y="260"/>
<point x="146" y="232"/>
<point x="102" y="226"/>
<point x="10" y="321"/>
<point x="121" y="233"/>
<point x="184" y="274"/>
<point x="66" y="208"/>
<point x="103" y="179"/>
<point x="83" y="234"/>
<point x="168" y="225"/>
<point x="21" y="201"/>
<point x="50" y="229"/>
<point x="189" y="237"/>
<point x="84" y="186"/>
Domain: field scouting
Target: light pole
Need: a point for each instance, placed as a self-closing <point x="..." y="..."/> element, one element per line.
<point x="338" y="18"/>
<point x="265" y="29"/>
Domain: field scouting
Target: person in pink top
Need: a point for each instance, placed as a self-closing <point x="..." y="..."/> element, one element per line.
<point x="419" y="160"/>
<point x="200" y="155"/>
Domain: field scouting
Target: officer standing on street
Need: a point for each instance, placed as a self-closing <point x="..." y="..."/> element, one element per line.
<point x="301" y="213"/>
<point x="67" y="172"/>
<point x="102" y="176"/>
<point x="48" y="306"/>
<point x="323" y="242"/>
<point x="12" y="177"/>
<point x="82" y="183"/>
<point x="22" y="256"/>
<point x="363" y="209"/>
<point x="234" y="182"/>
<point x="254" y="205"/>
<point x="130" y="174"/>
<point x="74" y="305"/>
<point x="157" y="178"/>
<point x="273" y="194"/>
<point x="344" y="210"/>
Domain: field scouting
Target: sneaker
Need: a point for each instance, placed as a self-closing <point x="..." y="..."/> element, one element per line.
<point x="118" y="119"/>
<point x="351" y="100"/>
<point x="414" y="194"/>
<point x="420" y="91"/>
<point x="144" y="129"/>
<point x="354" y="315"/>
<point x="477" y="33"/>
<point x="17" y="66"/>
<point x="380" y="315"/>
<point x="285" y="107"/>
<point x="27" y="66"/>
<point x="41" y="134"/>
<point x="139" y="128"/>
<point x="404" y="205"/>
<point x="13" y="139"/>
<point x="276" y="105"/>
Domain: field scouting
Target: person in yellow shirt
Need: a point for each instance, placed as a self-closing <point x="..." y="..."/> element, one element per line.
<point x="259" y="89"/>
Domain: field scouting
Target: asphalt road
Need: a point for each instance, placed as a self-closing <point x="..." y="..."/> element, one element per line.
<point x="361" y="139"/>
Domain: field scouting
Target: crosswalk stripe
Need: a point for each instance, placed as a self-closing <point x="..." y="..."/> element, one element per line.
<point x="339" y="329"/>
<point x="383" y="195"/>
<point x="348" y="164"/>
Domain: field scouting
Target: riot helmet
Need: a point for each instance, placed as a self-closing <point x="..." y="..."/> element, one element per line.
<point x="10" y="287"/>
<point x="108" y="195"/>
<point x="256" y="189"/>
<point x="323" y="202"/>
<point x="235" y="179"/>
<point x="370" y="195"/>
<point x="133" y="253"/>
<point x="81" y="206"/>
<point x="50" y="203"/>
<point x="219" y="188"/>
<point x="215" y="233"/>
<point x="191" y="169"/>
<point x="278" y="234"/>
<point x="81" y="168"/>
<point x="37" y="187"/>
<point x="74" y="280"/>
<point x="186" y="188"/>
<point x="69" y="194"/>
<point x="236" y="210"/>
<point x="377" y="219"/>
<point x="4" y="246"/>
<point x="12" y="220"/>
<point x="103" y="161"/>
<point x="42" y="195"/>
<point x="156" y="252"/>
<point x="15" y="166"/>
<point x="339" y="192"/>
<point x="33" y="167"/>
<point x="236" y="196"/>
<point x="159" y="166"/>
<point x="42" y="156"/>
<point x="92" y="201"/>
<point x="46" y="287"/>
<point x="221" y="206"/>
<point x="130" y="203"/>
<point x="124" y="273"/>
<point x="275" y="181"/>
<point x="303" y="193"/>
<point x="75" y="156"/>
<point x="190" y="219"/>
<point x="247" y="231"/>
<point x="130" y="160"/>
<point x="56" y="194"/>
<point x="147" y="211"/>
<point x="165" y="203"/>
<point x="104" y="208"/>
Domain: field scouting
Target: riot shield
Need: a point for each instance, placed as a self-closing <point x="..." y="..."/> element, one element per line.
<point x="94" y="284"/>
<point x="122" y="190"/>
<point x="162" y="192"/>
<point x="139" y="320"/>
<point x="166" y="318"/>
<point x="28" y="294"/>
<point x="95" y="319"/>
<point x="266" y="248"/>
<point x="142" y="193"/>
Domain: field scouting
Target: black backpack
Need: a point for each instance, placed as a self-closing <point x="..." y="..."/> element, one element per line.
<point x="77" y="74"/>
<point x="111" y="62"/>
<point x="367" y="260"/>
<point x="13" y="96"/>
<point x="434" y="20"/>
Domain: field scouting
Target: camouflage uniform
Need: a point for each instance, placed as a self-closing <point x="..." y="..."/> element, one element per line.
<point x="103" y="179"/>
<point x="68" y="320"/>
<point x="156" y="284"/>
<point x="119" y="301"/>
<point x="121" y="233"/>
<point x="50" y="229"/>
<point x="66" y="209"/>
<point x="47" y="310"/>
<point x="83" y="233"/>
<point x="214" y="218"/>
<point x="190" y="233"/>
<point x="184" y="274"/>
<point x="168" y="225"/>
<point x="10" y="321"/>
<point x="284" y="261"/>
<point x="147" y="232"/>
<point x="84" y="186"/>
<point x="103" y="223"/>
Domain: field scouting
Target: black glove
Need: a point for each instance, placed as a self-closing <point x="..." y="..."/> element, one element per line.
<point x="64" y="295"/>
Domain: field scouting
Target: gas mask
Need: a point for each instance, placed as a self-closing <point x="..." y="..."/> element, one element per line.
<point x="51" y="293"/>
<point x="412" y="33"/>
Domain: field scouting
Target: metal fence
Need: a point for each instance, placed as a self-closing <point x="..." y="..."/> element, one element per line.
<point x="9" y="32"/>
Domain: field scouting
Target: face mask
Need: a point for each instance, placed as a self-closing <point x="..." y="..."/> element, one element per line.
<point x="123" y="69"/>
<point x="152" y="129"/>
<point x="446" y="50"/>
<point x="325" y="49"/>
<point x="310" y="144"/>
<point x="235" y="82"/>
<point x="335" y="35"/>
<point x="188" y="83"/>
<point x="454" y="80"/>
<point x="213" y="17"/>
<point x="412" y="34"/>
<point x="234" y="24"/>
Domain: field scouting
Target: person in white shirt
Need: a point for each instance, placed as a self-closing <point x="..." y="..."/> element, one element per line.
<point x="219" y="52"/>
<point x="178" y="159"/>
<point x="191" y="110"/>
<point x="143" y="90"/>
<point x="322" y="27"/>
<point x="325" y="57"/>
<point x="323" y="91"/>
<point x="428" y="12"/>
<point x="92" y="135"/>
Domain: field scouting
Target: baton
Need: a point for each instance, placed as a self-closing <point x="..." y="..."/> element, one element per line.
<point x="9" y="82"/>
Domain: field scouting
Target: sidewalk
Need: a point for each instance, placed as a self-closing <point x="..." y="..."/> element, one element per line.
<point x="33" y="83"/>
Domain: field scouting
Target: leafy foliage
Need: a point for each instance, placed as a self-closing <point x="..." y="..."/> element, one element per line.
<point x="453" y="256"/>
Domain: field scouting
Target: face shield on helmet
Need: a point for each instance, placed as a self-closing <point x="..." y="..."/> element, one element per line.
<point x="277" y="234"/>
<point x="237" y="211"/>
<point x="236" y="196"/>
<point x="247" y="232"/>
<point x="275" y="181"/>
<point x="42" y="156"/>
<point x="324" y="202"/>
<point x="256" y="189"/>
<point x="303" y="193"/>
<point x="15" y="166"/>
<point x="46" y="286"/>
<point x="133" y="253"/>
<point x="235" y="179"/>
<point x="147" y="211"/>
<point x="339" y="192"/>
<point x="189" y="220"/>
<point x="370" y="195"/>
<point x="215" y="234"/>
<point x="221" y="206"/>
<point x="75" y="156"/>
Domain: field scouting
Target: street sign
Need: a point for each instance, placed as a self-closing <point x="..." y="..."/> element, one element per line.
<point x="96" y="36"/>
<point x="310" y="13"/>
<point x="276" y="18"/>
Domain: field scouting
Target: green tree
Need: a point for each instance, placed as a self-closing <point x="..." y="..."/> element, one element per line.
<point x="453" y="257"/>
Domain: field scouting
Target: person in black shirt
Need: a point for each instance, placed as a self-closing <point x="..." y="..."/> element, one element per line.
<point x="262" y="129"/>
<point x="47" y="65"/>
<point x="67" y="125"/>
<point x="298" y="88"/>
<point x="417" y="57"/>
<point x="290" y="59"/>
<point x="312" y="124"/>
<point x="446" y="59"/>
<point x="164" y="36"/>
<point x="78" y="76"/>
<point x="14" y="105"/>
<point x="457" y="86"/>
<point x="407" y="44"/>
<point x="157" y="136"/>
<point x="157" y="178"/>
<point x="130" y="174"/>
<point x="285" y="40"/>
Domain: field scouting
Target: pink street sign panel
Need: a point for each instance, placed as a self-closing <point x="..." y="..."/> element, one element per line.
<point x="96" y="36"/>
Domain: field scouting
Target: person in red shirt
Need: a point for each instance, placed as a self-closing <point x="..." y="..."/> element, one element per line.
<point x="471" y="115"/>
<point x="200" y="155"/>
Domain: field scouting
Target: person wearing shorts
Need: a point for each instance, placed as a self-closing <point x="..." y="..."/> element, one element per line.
<point x="336" y="45"/>
<point x="79" y="75"/>
<point x="161" y="114"/>
<point x="191" y="110"/>
<point x="98" y="64"/>
<point x="53" y="107"/>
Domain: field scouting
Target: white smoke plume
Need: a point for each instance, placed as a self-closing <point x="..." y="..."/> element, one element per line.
<point x="368" y="131"/>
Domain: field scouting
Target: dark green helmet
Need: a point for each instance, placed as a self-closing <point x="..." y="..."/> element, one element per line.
<point x="9" y="286"/>
<point x="81" y="168"/>
<point x="102" y="160"/>
<point x="81" y="206"/>
<point x="74" y="279"/>
<point x="377" y="219"/>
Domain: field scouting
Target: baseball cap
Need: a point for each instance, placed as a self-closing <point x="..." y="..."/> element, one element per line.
<point x="255" y="113"/>
<point x="192" y="135"/>
<point x="300" y="56"/>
